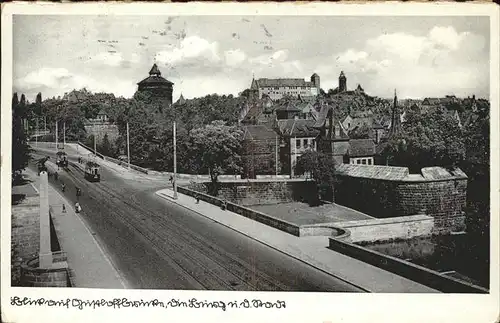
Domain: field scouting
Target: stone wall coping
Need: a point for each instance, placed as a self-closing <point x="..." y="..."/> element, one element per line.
<point x="412" y="178"/>
<point x="234" y="205"/>
<point x="398" y="174"/>
<point x="404" y="268"/>
<point x="381" y="221"/>
<point x="32" y="266"/>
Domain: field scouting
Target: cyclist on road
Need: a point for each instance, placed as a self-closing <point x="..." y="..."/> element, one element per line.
<point x="63" y="187"/>
<point x="78" y="193"/>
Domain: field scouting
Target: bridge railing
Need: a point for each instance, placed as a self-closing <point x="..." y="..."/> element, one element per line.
<point x="115" y="161"/>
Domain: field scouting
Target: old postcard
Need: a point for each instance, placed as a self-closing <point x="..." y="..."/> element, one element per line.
<point x="250" y="162"/>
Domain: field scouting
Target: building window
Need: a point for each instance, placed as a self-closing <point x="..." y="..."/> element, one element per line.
<point x="358" y="161"/>
<point x="369" y="161"/>
<point x="363" y="161"/>
<point x="297" y="143"/>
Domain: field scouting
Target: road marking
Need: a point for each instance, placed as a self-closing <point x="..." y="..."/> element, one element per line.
<point x="120" y="278"/>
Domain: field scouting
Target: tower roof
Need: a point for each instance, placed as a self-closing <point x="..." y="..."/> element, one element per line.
<point x="342" y="75"/>
<point x="155" y="77"/>
<point x="155" y="70"/>
<point x="396" y="118"/>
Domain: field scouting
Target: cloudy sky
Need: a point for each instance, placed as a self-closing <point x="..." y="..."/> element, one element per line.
<point x="420" y="56"/>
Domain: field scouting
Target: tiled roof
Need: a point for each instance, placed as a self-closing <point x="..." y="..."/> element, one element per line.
<point x="297" y="128"/>
<point x="361" y="147"/>
<point x="373" y="171"/>
<point x="282" y="82"/>
<point x="259" y="132"/>
<point x="441" y="173"/>
<point x="288" y="106"/>
<point x="155" y="79"/>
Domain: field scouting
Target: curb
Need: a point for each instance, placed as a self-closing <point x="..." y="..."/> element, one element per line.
<point x="166" y="197"/>
<point x="71" y="271"/>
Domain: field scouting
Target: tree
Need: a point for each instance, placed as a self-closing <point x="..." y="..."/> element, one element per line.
<point x="322" y="169"/>
<point x="20" y="147"/>
<point x="477" y="168"/>
<point x="105" y="147"/>
<point x="216" y="148"/>
<point x="431" y="138"/>
<point x="362" y="132"/>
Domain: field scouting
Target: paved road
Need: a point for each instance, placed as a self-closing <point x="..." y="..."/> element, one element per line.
<point x="156" y="244"/>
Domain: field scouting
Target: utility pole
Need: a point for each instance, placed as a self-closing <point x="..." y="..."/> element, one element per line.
<point x="175" y="165"/>
<point x="56" y="136"/>
<point x="45" y="124"/>
<point x="95" y="146"/>
<point x="64" y="134"/>
<point x="276" y="157"/>
<point x="36" y="133"/>
<point x="128" y="147"/>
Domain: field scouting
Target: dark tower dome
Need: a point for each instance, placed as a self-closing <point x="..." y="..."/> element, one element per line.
<point x="157" y="86"/>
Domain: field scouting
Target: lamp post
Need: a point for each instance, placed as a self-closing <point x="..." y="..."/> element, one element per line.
<point x="56" y="135"/>
<point x="128" y="147"/>
<point x="36" y="133"/>
<point x="175" y="164"/>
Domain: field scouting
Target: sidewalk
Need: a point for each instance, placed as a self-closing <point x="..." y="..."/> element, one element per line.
<point x="310" y="250"/>
<point x="88" y="263"/>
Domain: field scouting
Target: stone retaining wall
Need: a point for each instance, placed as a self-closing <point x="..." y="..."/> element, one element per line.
<point x="261" y="192"/>
<point x="406" y="269"/>
<point x="392" y="192"/>
<point x="57" y="276"/>
<point x="25" y="235"/>
<point x="380" y="230"/>
<point x="246" y="212"/>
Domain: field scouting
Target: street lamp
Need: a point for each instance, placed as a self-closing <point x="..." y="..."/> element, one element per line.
<point x="175" y="164"/>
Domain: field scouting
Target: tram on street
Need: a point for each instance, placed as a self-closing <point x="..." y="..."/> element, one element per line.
<point x="92" y="173"/>
<point x="62" y="159"/>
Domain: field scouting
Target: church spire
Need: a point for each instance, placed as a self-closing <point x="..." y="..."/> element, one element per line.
<point x="396" y="118"/>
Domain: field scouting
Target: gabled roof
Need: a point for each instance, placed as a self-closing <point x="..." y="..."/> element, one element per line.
<point x="289" y="107"/>
<point x="258" y="132"/>
<point x="297" y="128"/>
<point x="102" y="112"/>
<point x="361" y="147"/>
<point x="181" y="100"/>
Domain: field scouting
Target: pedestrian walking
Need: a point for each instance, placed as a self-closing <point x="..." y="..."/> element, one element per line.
<point x="56" y="176"/>
<point x="63" y="187"/>
<point x="197" y="198"/>
<point x="78" y="193"/>
<point x="63" y="208"/>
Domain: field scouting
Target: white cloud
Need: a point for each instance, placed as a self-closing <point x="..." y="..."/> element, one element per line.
<point x="107" y="58"/>
<point x="189" y="48"/>
<point x="352" y="56"/>
<point x="56" y="81"/>
<point x="275" y="58"/>
<point x="442" y="62"/>
<point x="234" y="57"/>
<point x="446" y="36"/>
<point x="202" y="85"/>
